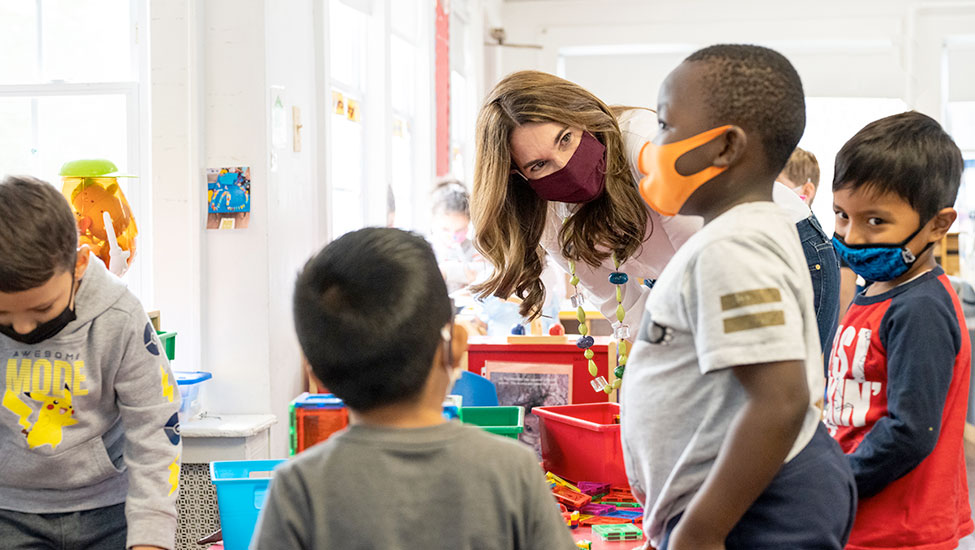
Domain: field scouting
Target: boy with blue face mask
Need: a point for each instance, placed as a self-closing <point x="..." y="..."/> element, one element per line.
<point x="720" y="431"/>
<point x="899" y="368"/>
<point x="89" y="431"/>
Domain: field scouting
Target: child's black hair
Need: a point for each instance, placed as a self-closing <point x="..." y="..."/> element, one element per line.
<point x="38" y="234"/>
<point x="759" y="90"/>
<point x="907" y="154"/>
<point x="368" y="311"/>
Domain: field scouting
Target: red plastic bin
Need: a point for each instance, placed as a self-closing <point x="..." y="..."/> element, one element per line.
<point x="582" y="442"/>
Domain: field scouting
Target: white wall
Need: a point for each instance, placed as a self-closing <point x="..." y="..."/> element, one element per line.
<point x="294" y="221"/>
<point x="868" y="48"/>
<point x="228" y="293"/>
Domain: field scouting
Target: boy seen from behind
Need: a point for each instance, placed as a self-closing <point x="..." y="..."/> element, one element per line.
<point x="721" y="435"/>
<point x="899" y="369"/>
<point x="375" y="325"/>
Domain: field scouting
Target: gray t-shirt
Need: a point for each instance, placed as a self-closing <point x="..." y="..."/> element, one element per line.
<point x="737" y="293"/>
<point x="446" y="486"/>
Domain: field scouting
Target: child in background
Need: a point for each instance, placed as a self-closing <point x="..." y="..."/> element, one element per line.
<point x="461" y="265"/>
<point x="824" y="268"/>
<point x="88" y="424"/>
<point x="375" y="324"/>
<point x="720" y="432"/>
<point x="899" y="369"/>
<point x="451" y="235"/>
<point x="801" y="174"/>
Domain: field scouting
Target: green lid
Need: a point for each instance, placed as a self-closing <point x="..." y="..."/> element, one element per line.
<point x="91" y="168"/>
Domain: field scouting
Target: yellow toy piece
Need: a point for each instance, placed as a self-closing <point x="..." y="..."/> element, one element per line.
<point x="105" y="221"/>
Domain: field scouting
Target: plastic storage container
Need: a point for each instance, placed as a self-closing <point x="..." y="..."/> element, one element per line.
<point x="582" y="442"/>
<point x="168" y="341"/>
<point x="313" y="418"/>
<point x="506" y="421"/>
<point x="241" y="491"/>
<point x="189" y="383"/>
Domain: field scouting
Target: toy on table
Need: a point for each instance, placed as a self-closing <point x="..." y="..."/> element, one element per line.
<point x="570" y="498"/>
<point x="591" y="500"/>
<point x="554" y="480"/>
<point x="314" y="417"/>
<point x="623" y="531"/>
<point x="618" y="494"/>
<point x="594" y="489"/>
<point x="556" y="330"/>
<point x="584" y="544"/>
<point x="594" y="509"/>
<point x="105" y="221"/>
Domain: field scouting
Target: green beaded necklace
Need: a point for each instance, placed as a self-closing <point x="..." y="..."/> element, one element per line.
<point x="621" y="331"/>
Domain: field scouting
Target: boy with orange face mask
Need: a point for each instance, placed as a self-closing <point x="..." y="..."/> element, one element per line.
<point x="721" y="435"/>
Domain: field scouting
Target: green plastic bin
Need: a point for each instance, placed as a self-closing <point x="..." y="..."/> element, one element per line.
<point x="168" y="341"/>
<point x="506" y="421"/>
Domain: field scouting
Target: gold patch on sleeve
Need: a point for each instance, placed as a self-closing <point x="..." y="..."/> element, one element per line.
<point x="754" y="320"/>
<point x="750" y="298"/>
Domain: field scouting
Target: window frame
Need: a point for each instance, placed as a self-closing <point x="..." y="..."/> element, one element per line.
<point x="137" y="162"/>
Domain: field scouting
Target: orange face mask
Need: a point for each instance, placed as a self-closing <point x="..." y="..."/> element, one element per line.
<point x="664" y="188"/>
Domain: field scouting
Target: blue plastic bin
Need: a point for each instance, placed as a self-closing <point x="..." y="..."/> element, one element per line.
<point x="241" y="491"/>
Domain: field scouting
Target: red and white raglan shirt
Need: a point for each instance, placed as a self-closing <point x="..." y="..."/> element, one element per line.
<point x="896" y="399"/>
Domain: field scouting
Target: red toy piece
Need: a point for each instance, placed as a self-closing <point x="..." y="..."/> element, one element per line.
<point x="570" y="498"/>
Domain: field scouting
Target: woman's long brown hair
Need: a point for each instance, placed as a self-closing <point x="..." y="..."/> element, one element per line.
<point x="509" y="217"/>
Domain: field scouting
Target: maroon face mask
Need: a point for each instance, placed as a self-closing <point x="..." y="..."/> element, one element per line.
<point x="582" y="179"/>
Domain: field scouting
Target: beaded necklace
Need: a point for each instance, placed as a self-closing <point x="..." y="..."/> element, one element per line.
<point x="621" y="331"/>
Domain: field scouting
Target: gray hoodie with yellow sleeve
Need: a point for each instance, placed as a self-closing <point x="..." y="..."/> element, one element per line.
<point x="89" y="417"/>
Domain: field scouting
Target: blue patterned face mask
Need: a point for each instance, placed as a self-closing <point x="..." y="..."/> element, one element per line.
<point x="878" y="262"/>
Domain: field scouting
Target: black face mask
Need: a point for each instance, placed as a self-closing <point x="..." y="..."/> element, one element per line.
<point x="45" y="330"/>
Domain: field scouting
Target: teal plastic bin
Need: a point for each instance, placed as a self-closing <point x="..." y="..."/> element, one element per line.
<point x="507" y="421"/>
<point x="241" y="491"/>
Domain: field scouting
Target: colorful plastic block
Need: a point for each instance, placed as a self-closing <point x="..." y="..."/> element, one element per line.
<point x="593" y="488"/>
<point x="603" y="520"/>
<point x="570" y="498"/>
<point x="597" y="509"/>
<point x="626" y="514"/>
<point x="618" y="532"/>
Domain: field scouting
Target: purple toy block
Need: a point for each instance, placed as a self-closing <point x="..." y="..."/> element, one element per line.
<point x="593" y="488"/>
<point x="597" y="509"/>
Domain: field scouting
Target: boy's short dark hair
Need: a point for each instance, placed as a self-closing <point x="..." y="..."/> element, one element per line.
<point x="758" y="89"/>
<point x="38" y="233"/>
<point x="908" y="154"/>
<point x="368" y="310"/>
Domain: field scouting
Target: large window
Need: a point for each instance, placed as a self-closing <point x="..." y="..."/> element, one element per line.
<point x="379" y="154"/>
<point x="69" y="89"/>
<point x="348" y="45"/>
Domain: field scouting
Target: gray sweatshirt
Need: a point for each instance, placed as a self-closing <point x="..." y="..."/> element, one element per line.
<point x="89" y="417"/>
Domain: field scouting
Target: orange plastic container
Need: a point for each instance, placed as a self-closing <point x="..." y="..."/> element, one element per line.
<point x="582" y="442"/>
<point x="315" y="417"/>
